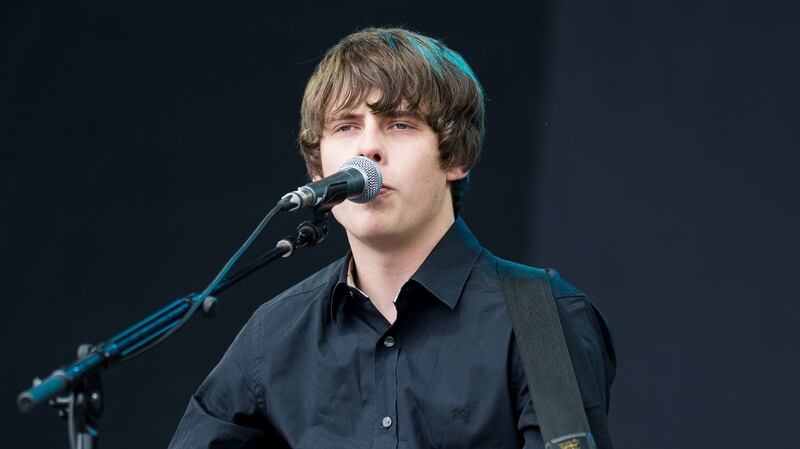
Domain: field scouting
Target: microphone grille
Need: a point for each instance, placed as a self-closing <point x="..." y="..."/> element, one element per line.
<point x="373" y="177"/>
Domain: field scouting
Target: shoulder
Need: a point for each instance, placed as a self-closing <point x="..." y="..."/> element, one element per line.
<point x="306" y="299"/>
<point x="560" y="287"/>
<point x="323" y="278"/>
<point x="586" y="330"/>
<point x="501" y="267"/>
<point x="568" y="297"/>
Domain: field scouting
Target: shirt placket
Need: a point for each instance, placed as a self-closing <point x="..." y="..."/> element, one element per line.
<point x="386" y="356"/>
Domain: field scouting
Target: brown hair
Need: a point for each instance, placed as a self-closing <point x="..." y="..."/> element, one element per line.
<point x="407" y="70"/>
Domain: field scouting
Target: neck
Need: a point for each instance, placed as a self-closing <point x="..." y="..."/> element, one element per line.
<point x="381" y="270"/>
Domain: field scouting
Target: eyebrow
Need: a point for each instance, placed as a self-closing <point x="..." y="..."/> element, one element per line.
<point x="343" y="116"/>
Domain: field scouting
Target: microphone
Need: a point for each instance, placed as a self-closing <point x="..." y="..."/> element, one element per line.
<point x="359" y="179"/>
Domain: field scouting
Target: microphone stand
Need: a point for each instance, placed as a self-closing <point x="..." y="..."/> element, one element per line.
<point x="80" y="380"/>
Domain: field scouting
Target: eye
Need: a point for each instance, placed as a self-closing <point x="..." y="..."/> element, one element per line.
<point x="401" y="125"/>
<point x="343" y="128"/>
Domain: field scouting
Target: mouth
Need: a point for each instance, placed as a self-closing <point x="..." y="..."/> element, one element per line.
<point x="385" y="189"/>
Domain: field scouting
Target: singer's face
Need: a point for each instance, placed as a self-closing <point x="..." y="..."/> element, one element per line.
<point x="416" y="195"/>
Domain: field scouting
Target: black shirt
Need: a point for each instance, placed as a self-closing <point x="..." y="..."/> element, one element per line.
<point x="319" y="367"/>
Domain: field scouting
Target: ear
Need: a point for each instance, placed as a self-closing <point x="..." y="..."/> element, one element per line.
<point x="456" y="173"/>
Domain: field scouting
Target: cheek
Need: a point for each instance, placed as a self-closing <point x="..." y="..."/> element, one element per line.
<point x="425" y="184"/>
<point x="328" y="160"/>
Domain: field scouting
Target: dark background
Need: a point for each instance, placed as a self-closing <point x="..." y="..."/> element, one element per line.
<point x="647" y="151"/>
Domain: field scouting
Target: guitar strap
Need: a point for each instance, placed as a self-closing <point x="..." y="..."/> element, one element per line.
<point x="545" y="357"/>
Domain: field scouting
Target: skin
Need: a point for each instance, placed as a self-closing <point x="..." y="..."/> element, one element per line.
<point x="391" y="235"/>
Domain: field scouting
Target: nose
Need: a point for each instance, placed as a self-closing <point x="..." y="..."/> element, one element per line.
<point x="371" y="145"/>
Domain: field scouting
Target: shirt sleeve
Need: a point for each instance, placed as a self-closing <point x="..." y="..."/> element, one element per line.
<point x="226" y="412"/>
<point x="527" y="422"/>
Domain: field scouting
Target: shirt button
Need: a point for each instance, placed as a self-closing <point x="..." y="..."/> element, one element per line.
<point x="387" y="422"/>
<point x="388" y="342"/>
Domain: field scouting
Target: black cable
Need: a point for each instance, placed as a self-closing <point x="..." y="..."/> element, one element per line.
<point x="197" y="300"/>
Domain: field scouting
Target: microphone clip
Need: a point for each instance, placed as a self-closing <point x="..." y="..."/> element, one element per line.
<point x="309" y="233"/>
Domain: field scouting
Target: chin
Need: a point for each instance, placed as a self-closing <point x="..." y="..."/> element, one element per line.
<point x="369" y="230"/>
<point x="373" y="228"/>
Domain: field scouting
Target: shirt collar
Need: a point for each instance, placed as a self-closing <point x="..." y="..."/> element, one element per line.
<point x="447" y="268"/>
<point x="443" y="273"/>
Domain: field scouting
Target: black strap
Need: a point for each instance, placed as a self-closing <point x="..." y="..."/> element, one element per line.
<point x="543" y="350"/>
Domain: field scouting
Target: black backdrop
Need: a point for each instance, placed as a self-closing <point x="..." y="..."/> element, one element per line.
<point x="646" y="151"/>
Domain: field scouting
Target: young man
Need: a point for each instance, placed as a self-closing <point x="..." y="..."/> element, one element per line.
<point x="406" y="341"/>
